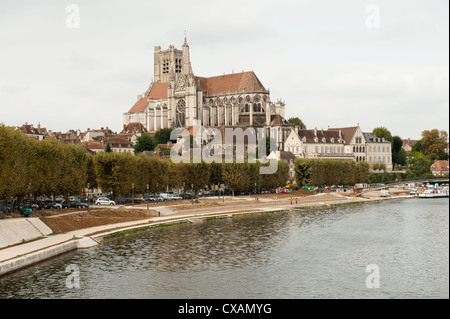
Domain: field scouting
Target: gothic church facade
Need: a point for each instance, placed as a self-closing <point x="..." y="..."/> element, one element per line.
<point x="176" y="98"/>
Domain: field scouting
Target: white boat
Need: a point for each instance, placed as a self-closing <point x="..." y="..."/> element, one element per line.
<point x="435" y="192"/>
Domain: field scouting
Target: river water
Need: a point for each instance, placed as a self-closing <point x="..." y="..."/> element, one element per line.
<point x="315" y="253"/>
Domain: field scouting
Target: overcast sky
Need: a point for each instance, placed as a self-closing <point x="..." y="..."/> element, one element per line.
<point x="334" y="63"/>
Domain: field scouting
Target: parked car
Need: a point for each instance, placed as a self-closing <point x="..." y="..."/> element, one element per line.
<point x="168" y="196"/>
<point x="187" y="196"/>
<point x="104" y="201"/>
<point x="50" y="204"/>
<point x="44" y="205"/>
<point x="77" y="204"/>
<point x="61" y="205"/>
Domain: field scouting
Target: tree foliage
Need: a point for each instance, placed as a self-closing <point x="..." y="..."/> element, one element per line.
<point x="382" y="132"/>
<point x="321" y="172"/>
<point x="434" y="142"/>
<point x="296" y="121"/>
<point x="144" y="143"/>
<point x="48" y="167"/>
<point x="163" y="136"/>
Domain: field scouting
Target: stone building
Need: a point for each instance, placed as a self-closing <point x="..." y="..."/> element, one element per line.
<point x="176" y="98"/>
<point x="346" y="143"/>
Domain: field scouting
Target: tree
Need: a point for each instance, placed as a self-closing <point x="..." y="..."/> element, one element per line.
<point x="397" y="144"/>
<point x="417" y="147"/>
<point x="362" y="171"/>
<point x="317" y="172"/>
<point x="382" y="132"/>
<point x="16" y="159"/>
<point x="400" y="157"/>
<point x="91" y="177"/>
<point x="144" y="143"/>
<point x="236" y="176"/>
<point x="163" y="136"/>
<point x="278" y="179"/>
<point x="297" y="122"/>
<point x="197" y="176"/>
<point x="419" y="165"/>
<point x="108" y="148"/>
<point x="115" y="172"/>
<point x="434" y="141"/>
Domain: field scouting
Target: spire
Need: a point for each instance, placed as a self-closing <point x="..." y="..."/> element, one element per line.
<point x="185" y="38"/>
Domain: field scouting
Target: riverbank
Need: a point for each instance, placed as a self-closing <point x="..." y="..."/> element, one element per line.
<point x="76" y="236"/>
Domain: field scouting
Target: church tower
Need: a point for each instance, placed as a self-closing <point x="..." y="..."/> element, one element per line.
<point x="168" y="63"/>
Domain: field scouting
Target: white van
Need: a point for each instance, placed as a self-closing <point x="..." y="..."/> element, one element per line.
<point x="385" y="193"/>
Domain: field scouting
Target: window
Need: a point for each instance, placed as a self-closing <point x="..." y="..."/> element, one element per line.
<point x="166" y="66"/>
<point x="177" y="65"/>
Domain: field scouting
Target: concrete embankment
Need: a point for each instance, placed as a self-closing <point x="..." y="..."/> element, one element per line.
<point x="18" y="230"/>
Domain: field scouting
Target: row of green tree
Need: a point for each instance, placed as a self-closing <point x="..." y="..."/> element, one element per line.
<point x="50" y="167"/>
<point x="47" y="167"/>
<point x="321" y="172"/>
<point x="120" y="173"/>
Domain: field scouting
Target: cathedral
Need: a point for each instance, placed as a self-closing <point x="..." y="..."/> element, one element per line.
<point x="176" y="98"/>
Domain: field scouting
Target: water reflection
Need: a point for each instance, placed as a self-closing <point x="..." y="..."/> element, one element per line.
<point x="311" y="253"/>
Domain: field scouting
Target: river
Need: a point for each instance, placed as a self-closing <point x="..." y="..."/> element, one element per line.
<point x="391" y="249"/>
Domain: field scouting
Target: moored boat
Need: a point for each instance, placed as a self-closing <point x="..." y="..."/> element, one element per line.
<point x="436" y="192"/>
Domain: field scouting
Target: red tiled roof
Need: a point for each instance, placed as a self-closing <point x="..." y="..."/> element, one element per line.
<point x="93" y="145"/>
<point x="236" y="82"/>
<point x="439" y="166"/>
<point x="157" y="92"/>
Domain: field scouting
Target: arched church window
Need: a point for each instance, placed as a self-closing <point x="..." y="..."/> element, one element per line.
<point x="247" y="108"/>
<point x="180" y="120"/>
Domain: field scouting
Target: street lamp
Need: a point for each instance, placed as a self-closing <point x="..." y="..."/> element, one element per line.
<point x="132" y="194"/>
<point x="157" y="189"/>
<point x="29" y="193"/>
<point x="148" y="186"/>
<point x="255" y="192"/>
<point x="192" y="189"/>
<point x="87" y="196"/>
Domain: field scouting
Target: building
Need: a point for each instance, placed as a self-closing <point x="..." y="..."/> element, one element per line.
<point x="439" y="167"/>
<point x="346" y="143"/>
<point x="176" y="98"/>
<point x="95" y="147"/>
<point x="317" y="144"/>
<point x="408" y="144"/>
<point x="37" y="133"/>
<point x="379" y="151"/>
